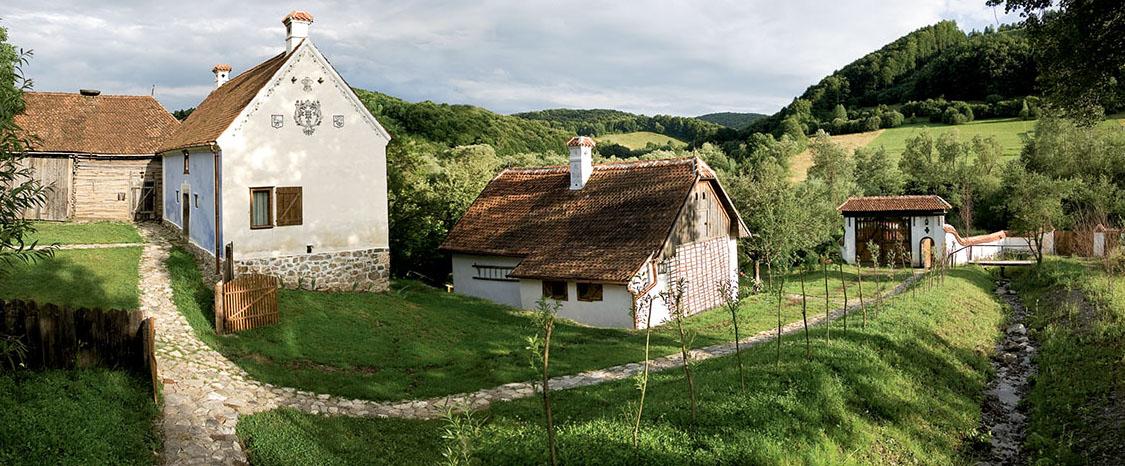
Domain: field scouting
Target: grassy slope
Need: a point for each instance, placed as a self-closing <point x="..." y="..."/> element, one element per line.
<point x="85" y="233"/>
<point x="105" y="278"/>
<point x="76" y="417"/>
<point x="1010" y="133"/>
<point x="1081" y="368"/>
<point x="419" y="342"/>
<point x="640" y="139"/>
<point x="799" y="166"/>
<point x="906" y="390"/>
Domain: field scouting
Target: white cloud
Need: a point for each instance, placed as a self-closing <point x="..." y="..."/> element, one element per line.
<point x="680" y="57"/>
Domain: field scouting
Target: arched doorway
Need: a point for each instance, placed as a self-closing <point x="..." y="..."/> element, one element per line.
<point x="927" y="247"/>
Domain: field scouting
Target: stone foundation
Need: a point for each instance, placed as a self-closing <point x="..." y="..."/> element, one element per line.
<point x="360" y="270"/>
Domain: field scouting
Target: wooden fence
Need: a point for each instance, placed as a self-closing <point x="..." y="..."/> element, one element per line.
<point x="65" y="338"/>
<point x="246" y="302"/>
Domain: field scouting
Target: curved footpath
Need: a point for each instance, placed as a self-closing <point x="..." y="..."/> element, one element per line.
<point x="204" y="392"/>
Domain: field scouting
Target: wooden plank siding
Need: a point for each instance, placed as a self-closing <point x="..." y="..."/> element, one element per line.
<point x="703" y="218"/>
<point x="55" y="173"/>
<point x="112" y="188"/>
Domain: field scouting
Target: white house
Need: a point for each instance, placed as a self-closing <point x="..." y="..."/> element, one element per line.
<point x="284" y="162"/>
<point x="896" y="224"/>
<point x="598" y="238"/>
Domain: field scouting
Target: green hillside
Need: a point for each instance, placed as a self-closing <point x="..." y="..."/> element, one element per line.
<point x="733" y="120"/>
<point x="460" y="125"/>
<point x="1010" y="133"/>
<point x="597" y="122"/>
<point x="640" y="139"/>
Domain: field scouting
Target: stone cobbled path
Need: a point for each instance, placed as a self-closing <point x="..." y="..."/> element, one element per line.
<point x="205" y="393"/>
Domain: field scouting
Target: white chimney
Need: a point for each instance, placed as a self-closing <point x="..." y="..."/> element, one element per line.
<point x="222" y="74"/>
<point x="581" y="160"/>
<point x="296" y="28"/>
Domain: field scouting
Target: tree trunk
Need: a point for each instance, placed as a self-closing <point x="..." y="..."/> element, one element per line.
<point x="827" y="306"/>
<point x="779" y="300"/>
<point x="687" y="369"/>
<point x="644" y="377"/>
<point x="805" y="317"/>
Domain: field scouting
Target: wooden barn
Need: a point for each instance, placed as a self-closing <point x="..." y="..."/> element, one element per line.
<point x="97" y="153"/>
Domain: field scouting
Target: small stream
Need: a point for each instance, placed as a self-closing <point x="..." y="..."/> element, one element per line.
<point x="1014" y="365"/>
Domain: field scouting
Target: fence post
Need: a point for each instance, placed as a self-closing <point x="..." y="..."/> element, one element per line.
<point x="220" y="313"/>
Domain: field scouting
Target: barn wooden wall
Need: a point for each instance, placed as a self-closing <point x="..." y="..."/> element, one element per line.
<point x="111" y="188"/>
<point x="55" y="173"/>
<point x="703" y="218"/>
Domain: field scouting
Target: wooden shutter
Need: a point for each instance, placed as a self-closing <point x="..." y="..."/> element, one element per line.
<point x="289" y="209"/>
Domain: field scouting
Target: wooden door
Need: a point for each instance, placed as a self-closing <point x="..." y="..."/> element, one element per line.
<point x="890" y="234"/>
<point x="185" y="218"/>
<point x="927" y="252"/>
<point x="54" y="174"/>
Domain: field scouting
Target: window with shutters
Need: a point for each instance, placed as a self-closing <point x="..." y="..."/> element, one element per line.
<point x="289" y="206"/>
<point x="589" y="291"/>
<point x="261" y="208"/>
<point x="555" y="290"/>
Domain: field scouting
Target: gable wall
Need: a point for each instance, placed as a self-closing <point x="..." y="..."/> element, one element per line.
<point x="703" y="218"/>
<point x="342" y="171"/>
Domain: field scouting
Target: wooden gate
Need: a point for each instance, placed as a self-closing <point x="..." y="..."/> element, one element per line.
<point x="54" y="173"/>
<point x="891" y="234"/>
<point x="246" y="302"/>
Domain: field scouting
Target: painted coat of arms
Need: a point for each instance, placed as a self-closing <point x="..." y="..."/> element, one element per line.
<point x="277" y="121"/>
<point x="338" y="121"/>
<point x="307" y="115"/>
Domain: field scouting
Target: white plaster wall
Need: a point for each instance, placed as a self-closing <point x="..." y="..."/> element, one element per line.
<point x="466" y="283"/>
<point x="1099" y="244"/>
<point x="342" y="170"/>
<point x="918" y="228"/>
<point x="847" y="252"/>
<point x="611" y="311"/>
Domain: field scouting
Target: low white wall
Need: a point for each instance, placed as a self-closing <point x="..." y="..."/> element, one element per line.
<point x="465" y="279"/>
<point x="612" y="311"/>
<point x="1099" y="244"/>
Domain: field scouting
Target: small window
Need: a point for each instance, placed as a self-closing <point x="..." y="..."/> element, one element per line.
<point x="177" y="196"/>
<point x="261" y="208"/>
<point x="196" y="201"/>
<point x="555" y="290"/>
<point x="121" y="196"/>
<point x="493" y="273"/>
<point x="187" y="162"/>
<point x="589" y="291"/>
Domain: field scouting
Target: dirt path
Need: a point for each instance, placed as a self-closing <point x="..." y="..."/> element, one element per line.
<point x="1002" y="414"/>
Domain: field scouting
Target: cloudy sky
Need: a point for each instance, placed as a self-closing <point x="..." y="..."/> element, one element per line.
<point x="673" y="57"/>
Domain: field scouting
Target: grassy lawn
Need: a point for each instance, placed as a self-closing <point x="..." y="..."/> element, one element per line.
<point x="85" y="233"/>
<point x="104" y="278"/>
<point x="418" y="342"/>
<point x="76" y="417"/>
<point x="1078" y="398"/>
<point x="906" y="390"/>
<point x="640" y="139"/>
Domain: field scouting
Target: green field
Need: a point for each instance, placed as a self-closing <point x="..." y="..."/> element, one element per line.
<point x="640" y="140"/>
<point x="906" y="390"/>
<point x="100" y="278"/>
<point x="85" y="233"/>
<point x="1010" y="133"/>
<point x="418" y="342"/>
<point x="82" y="416"/>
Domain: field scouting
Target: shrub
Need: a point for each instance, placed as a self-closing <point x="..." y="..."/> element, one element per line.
<point x="892" y="119"/>
<point x="1114" y="261"/>
<point x="872" y="123"/>
<point x="952" y="117"/>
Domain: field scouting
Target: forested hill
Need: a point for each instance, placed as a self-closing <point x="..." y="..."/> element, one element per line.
<point x="461" y="125"/>
<point x="938" y="63"/>
<point x="732" y="120"/>
<point x="596" y="122"/>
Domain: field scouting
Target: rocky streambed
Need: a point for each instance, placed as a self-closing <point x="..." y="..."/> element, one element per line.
<point x="1003" y="417"/>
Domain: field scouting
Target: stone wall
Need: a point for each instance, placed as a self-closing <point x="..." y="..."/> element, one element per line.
<point x="361" y="270"/>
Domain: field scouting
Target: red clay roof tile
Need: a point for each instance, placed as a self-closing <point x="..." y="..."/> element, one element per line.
<point x="895" y="204"/>
<point x="101" y="124"/>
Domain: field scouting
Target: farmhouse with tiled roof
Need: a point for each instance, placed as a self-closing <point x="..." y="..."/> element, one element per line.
<point x="597" y="238"/>
<point x="284" y="164"/>
<point x="96" y="153"/>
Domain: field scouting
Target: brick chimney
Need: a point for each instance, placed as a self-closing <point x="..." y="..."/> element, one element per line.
<point x="296" y="28"/>
<point x="222" y="74"/>
<point x="581" y="160"/>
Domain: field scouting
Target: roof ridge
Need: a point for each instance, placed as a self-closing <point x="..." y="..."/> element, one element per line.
<point x="608" y="165"/>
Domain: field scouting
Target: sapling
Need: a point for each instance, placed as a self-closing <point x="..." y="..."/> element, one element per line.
<point x="805" y="311"/>
<point x="732" y="299"/>
<point x="859" y="278"/>
<point x="780" y="299"/>
<point x="844" y="287"/>
<point x="539" y="347"/>
<point x="873" y="249"/>
<point x="827" y="310"/>
<point x="462" y="430"/>
<point x="642" y="306"/>
<point x="891" y="253"/>
<point x="674" y="299"/>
